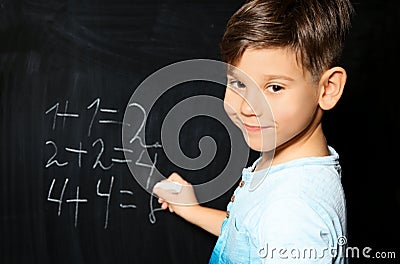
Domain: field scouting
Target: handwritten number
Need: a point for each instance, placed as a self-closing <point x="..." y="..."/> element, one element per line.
<point x="108" y="195"/>
<point x="152" y="216"/>
<point x="55" y="114"/>
<point x="52" y="159"/>
<point x="98" y="162"/>
<point x="59" y="200"/>
<point x="136" y="136"/>
<point x="151" y="166"/>
<point x="97" y="103"/>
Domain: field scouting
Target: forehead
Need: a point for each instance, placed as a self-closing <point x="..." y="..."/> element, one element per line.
<point x="269" y="62"/>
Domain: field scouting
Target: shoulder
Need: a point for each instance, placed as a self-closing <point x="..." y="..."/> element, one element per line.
<point x="317" y="178"/>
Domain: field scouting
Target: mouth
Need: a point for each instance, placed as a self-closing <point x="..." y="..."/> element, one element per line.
<point x="254" y="128"/>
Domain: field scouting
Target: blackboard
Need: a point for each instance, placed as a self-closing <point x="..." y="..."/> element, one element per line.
<point x="68" y="70"/>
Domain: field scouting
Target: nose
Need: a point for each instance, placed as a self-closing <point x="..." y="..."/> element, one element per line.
<point x="246" y="108"/>
<point x="252" y="102"/>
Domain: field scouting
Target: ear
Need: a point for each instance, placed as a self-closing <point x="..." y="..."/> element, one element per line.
<point x="332" y="84"/>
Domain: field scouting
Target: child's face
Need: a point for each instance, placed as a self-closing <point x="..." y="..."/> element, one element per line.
<point x="275" y="102"/>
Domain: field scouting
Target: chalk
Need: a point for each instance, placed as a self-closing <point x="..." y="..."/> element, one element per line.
<point x="169" y="186"/>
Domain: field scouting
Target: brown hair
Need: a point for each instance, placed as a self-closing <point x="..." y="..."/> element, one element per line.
<point x="314" y="29"/>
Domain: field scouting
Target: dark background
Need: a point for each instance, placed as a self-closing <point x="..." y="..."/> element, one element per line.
<point x="74" y="52"/>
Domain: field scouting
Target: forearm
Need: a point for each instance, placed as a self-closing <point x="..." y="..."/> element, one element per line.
<point x="185" y="205"/>
<point x="209" y="219"/>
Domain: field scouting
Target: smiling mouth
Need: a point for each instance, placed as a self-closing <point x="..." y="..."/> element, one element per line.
<point x="252" y="128"/>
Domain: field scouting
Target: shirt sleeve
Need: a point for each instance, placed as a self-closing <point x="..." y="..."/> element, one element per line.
<point x="290" y="231"/>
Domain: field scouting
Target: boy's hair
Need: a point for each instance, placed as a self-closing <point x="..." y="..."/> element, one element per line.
<point x="314" y="29"/>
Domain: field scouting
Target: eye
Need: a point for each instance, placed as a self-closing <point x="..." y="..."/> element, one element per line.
<point x="275" y="88"/>
<point x="237" y="84"/>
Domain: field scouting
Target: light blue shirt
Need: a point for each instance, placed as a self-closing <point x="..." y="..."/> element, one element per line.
<point x="293" y="212"/>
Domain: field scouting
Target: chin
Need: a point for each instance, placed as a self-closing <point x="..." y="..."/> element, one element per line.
<point x="262" y="142"/>
<point x="261" y="146"/>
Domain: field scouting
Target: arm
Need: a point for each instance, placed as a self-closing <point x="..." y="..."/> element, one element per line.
<point x="185" y="205"/>
<point x="209" y="219"/>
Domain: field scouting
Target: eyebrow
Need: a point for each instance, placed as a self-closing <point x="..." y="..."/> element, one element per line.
<point x="266" y="77"/>
<point x="269" y="77"/>
<point x="231" y="70"/>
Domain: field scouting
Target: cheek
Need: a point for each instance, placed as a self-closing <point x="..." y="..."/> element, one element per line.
<point x="232" y="103"/>
<point x="293" y="116"/>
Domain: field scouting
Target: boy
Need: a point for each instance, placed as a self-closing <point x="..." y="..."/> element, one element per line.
<point x="294" y="210"/>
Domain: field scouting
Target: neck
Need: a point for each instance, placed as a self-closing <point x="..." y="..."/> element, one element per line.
<point x="310" y="143"/>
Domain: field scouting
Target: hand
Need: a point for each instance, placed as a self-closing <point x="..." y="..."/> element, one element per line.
<point x="177" y="202"/>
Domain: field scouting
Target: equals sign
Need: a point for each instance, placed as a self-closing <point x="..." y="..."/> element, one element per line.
<point x="122" y="160"/>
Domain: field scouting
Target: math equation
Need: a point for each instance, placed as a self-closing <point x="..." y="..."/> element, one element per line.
<point x="61" y="156"/>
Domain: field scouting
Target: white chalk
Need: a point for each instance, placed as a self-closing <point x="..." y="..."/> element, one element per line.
<point x="170" y="186"/>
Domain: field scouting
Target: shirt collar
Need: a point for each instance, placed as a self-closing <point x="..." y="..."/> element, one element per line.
<point x="257" y="177"/>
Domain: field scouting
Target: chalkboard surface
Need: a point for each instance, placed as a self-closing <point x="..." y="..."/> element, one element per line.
<point x="67" y="71"/>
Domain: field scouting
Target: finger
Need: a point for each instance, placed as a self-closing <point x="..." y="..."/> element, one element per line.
<point x="160" y="193"/>
<point x="177" y="178"/>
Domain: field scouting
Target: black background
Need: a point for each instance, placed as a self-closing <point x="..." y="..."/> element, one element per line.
<point x="77" y="51"/>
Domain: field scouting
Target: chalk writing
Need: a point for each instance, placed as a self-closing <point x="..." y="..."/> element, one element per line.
<point x="136" y="136"/>
<point x="152" y="217"/>
<point x="64" y="115"/>
<point x="108" y="195"/>
<point x="98" y="162"/>
<point x="96" y="152"/>
<point x="96" y="104"/>
<point x="79" y="151"/>
<point x="59" y="200"/>
<point x="52" y="159"/>
<point x="77" y="200"/>
<point x="122" y="160"/>
<point x="126" y="206"/>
